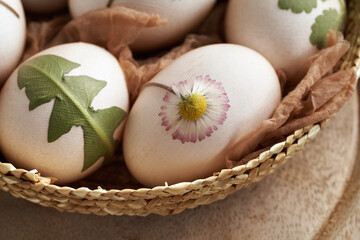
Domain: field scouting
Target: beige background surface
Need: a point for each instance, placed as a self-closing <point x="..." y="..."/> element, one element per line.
<point x="305" y="199"/>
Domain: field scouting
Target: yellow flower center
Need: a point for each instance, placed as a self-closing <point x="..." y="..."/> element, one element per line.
<point x="193" y="106"/>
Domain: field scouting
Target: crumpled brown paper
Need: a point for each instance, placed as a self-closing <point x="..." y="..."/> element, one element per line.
<point x="318" y="95"/>
<point x="114" y="29"/>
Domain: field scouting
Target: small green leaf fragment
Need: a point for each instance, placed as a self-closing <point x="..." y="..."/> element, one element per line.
<point x="43" y="79"/>
<point x="330" y="19"/>
<point x="297" y="6"/>
<point x="108" y="119"/>
<point x="61" y="120"/>
<point x="34" y="76"/>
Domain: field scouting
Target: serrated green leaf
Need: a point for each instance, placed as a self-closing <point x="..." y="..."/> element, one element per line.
<point x="330" y="19"/>
<point x="43" y="79"/>
<point x="297" y="6"/>
<point x="10" y="8"/>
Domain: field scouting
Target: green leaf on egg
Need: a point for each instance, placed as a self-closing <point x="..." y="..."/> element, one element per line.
<point x="330" y="19"/>
<point x="297" y="6"/>
<point x="9" y="8"/>
<point x="43" y="79"/>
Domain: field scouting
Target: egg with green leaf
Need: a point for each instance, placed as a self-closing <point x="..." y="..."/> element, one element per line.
<point x="286" y="32"/>
<point x="62" y="111"/>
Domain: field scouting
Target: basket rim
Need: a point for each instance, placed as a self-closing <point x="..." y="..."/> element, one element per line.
<point x="34" y="175"/>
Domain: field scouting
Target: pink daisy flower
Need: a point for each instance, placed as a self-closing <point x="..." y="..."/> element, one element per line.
<point x="194" y="109"/>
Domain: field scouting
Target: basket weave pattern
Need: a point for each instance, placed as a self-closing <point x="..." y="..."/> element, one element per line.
<point x="164" y="200"/>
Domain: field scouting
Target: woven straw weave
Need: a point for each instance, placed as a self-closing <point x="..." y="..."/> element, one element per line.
<point x="173" y="199"/>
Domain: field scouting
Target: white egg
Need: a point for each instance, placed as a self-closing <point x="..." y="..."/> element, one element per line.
<point x="45" y="134"/>
<point x="182" y="15"/>
<point x="13" y="34"/>
<point x="286" y="32"/>
<point x="44" y="6"/>
<point x="229" y="91"/>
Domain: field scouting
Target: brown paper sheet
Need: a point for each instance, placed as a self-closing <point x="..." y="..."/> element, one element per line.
<point x="114" y="29"/>
<point x="318" y="95"/>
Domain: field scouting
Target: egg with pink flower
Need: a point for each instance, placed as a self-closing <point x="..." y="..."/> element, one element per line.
<point x="186" y="116"/>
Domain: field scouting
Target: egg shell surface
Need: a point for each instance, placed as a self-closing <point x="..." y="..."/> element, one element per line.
<point x="44" y="6"/>
<point x="24" y="133"/>
<point x="286" y="32"/>
<point x="12" y="40"/>
<point x="183" y="16"/>
<point x="253" y="90"/>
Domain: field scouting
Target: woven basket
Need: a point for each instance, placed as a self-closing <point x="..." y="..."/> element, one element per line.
<point x="173" y="199"/>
